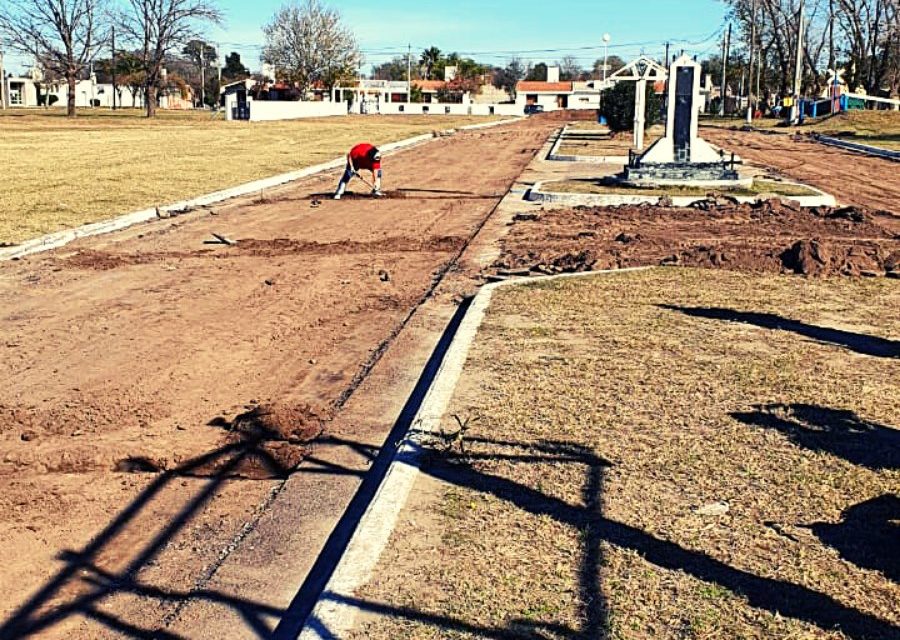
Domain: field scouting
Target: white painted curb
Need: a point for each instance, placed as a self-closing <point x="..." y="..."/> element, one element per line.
<point x="333" y="616"/>
<point x="61" y="238"/>
<point x="537" y="194"/>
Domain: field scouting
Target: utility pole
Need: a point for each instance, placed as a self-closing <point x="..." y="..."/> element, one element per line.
<point x="113" y="64"/>
<point x="667" y="62"/>
<point x="409" y="73"/>
<point x="2" y="84"/>
<point x="726" y="49"/>
<point x="750" y="69"/>
<point x="798" y="73"/>
<point x="202" y="75"/>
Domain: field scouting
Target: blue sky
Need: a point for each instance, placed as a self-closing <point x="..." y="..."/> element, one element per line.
<point x="491" y="31"/>
<point x="495" y="28"/>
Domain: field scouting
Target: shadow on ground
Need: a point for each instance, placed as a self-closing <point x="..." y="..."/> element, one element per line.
<point x="858" y="342"/>
<point x="868" y="535"/>
<point x="839" y="432"/>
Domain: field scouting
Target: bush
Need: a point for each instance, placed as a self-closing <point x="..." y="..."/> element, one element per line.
<point x="617" y="106"/>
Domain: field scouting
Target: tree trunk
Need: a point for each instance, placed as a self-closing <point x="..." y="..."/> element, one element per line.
<point x="150" y="100"/>
<point x="70" y="106"/>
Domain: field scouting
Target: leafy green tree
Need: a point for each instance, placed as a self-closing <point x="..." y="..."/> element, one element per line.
<point x="430" y="58"/>
<point x="617" y="106"/>
<point x="234" y="69"/>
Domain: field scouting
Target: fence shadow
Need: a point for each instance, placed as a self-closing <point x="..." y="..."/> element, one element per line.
<point x="81" y="586"/>
<point x="858" y="342"/>
<point x="839" y="432"/>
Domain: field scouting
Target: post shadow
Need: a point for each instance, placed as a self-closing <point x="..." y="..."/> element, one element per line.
<point x="775" y="596"/>
<point x="868" y="535"/>
<point x="858" y="342"/>
<point x="839" y="432"/>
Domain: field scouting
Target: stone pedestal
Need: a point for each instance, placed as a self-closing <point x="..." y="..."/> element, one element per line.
<point x="682" y="156"/>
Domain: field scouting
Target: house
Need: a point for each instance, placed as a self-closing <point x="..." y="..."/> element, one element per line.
<point x="23" y="92"/>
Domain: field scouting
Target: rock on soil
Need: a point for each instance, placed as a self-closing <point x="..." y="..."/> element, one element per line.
<point x="773" y="236"/>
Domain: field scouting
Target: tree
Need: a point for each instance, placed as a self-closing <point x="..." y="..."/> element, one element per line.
<point x="569" y="69"/>
<point x="510" y="76"/>
<point x="430" y="58"/>
<point x="157" y="27"/>
<point x="234" y="69"/>
<point x="617" y="106"/>
<point x="309" y="43"/>
<point x="614" y="62"/>
<point x="203" y="56"/>
<point x="538" y="73"/>
<point x="64" y="35"/>
<point x="395" y="70"/>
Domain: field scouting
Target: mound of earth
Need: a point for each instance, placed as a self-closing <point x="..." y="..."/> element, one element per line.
<point x="772" y="236"/>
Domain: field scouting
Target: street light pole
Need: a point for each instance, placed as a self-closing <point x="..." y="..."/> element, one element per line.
<point x="750" y="70"/>
<point x="606" y="39"/>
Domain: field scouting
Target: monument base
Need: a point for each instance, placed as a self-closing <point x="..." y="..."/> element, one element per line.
<point x="700" y="174"/>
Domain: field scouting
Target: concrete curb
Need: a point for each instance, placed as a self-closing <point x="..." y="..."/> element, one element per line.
<point x="333" y="615"/>
<point x="555" y="156"/>
<point x="537" y="194"/>
<point x="859" y="148"/>
<point x="62" y="238"/>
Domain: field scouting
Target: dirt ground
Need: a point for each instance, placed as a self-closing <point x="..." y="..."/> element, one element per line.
<point x="851" y="178"/>
<point x="775" y="237"/>
<point x="155" y="389"/>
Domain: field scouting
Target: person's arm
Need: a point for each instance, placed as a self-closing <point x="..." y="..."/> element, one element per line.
<point x="376" y="175"/>
<point x="350" y="163"/>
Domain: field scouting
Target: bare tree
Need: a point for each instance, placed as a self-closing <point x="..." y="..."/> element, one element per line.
<point x="872" y="28"/>
<point x="64" y="35"/>
<point x="156" y="28"/>
<point x="308" y="42"/>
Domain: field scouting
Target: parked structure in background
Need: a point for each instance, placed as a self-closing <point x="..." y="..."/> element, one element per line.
<point x="35" y="90"/>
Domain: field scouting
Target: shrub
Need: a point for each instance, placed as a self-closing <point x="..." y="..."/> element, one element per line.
<point x="617" y="106"/>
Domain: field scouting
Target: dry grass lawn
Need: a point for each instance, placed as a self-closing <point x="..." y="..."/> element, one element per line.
<point x="661" y="454"/>
<point x="60" y="173"/>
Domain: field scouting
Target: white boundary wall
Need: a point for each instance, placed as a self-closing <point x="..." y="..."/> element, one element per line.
<point x="268" y="110"/>
<point x="441" y="109"/>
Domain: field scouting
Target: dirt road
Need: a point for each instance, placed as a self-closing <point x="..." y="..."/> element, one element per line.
<point x="127" y="475"/>
<point x="852" y="178"/>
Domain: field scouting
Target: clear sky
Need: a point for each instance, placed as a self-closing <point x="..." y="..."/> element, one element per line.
<point x="492" y="32"/>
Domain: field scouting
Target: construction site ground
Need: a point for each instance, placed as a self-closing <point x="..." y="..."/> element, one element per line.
<point x="127" y="480"/>
<point x="157" y="393"/>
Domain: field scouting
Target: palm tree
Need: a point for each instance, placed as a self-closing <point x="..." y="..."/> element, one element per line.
<point x="430" y="58"/>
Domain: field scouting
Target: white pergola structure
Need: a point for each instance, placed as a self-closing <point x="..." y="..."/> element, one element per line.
<point x="640" y="71"/>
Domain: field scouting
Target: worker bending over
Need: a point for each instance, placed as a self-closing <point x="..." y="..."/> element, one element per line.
<point x="363" y="156"/>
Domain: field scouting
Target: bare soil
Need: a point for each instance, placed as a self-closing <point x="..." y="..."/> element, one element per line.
<point x="155" y="389"/>
<point x="852" y="178"/>
<point x="775" y="237"/>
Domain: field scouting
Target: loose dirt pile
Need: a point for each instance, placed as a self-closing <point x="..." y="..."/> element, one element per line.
<point x="772" y="236"/>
